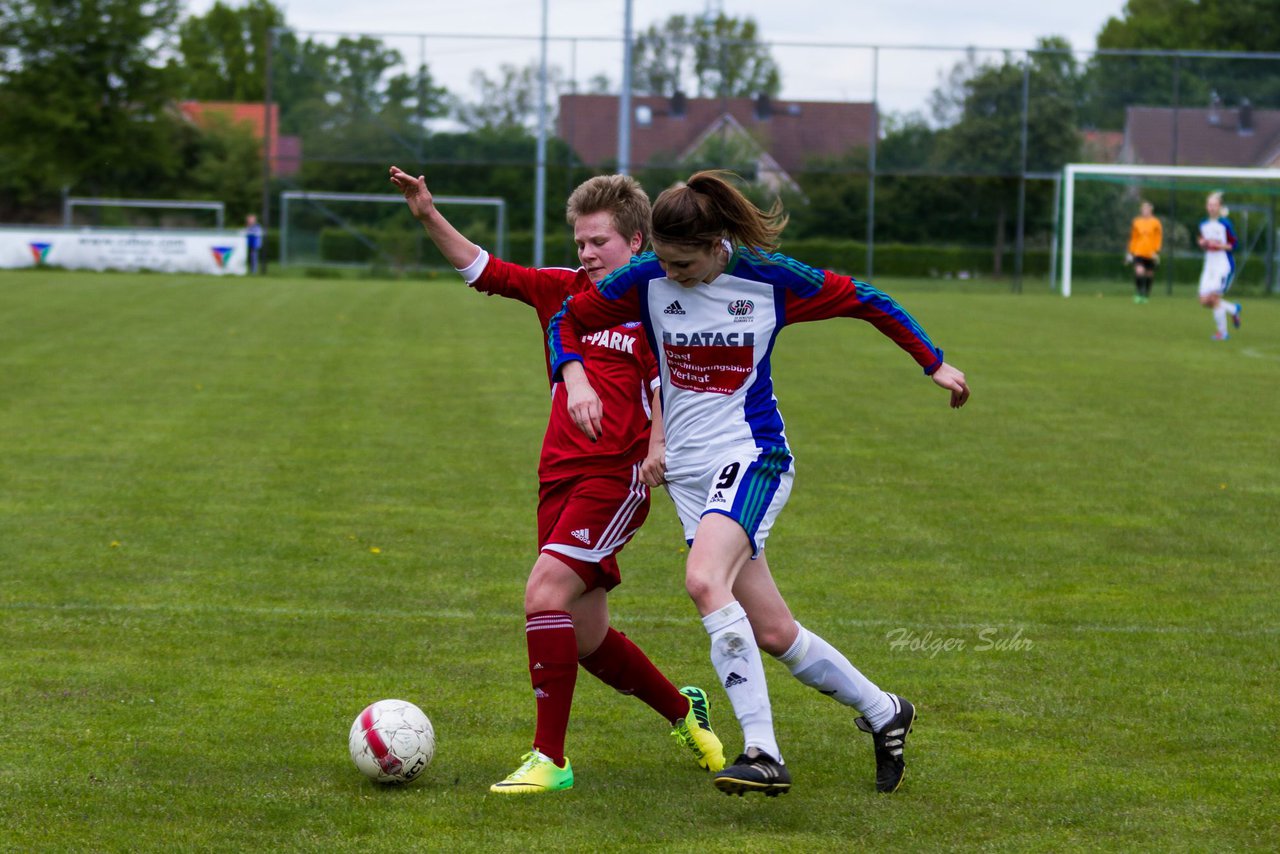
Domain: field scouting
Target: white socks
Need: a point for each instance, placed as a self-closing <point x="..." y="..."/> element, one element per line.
<point x="1220" y="318"/>
<point x="736" y="659"/>
<point x="819" y="665"/>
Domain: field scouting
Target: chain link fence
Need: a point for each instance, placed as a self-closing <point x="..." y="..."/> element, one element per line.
<point x="892" y="160"/>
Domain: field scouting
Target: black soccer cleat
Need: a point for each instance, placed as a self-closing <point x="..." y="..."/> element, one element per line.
<point x="890" y="766"/>
<point x="754" y="771"/>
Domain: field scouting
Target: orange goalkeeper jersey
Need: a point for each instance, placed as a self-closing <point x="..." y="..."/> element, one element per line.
<point x="1145" y="237"/>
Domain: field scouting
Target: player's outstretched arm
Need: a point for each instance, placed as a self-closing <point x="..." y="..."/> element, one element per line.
<point x="457" y="249"/>
<point x="952" y="379"/>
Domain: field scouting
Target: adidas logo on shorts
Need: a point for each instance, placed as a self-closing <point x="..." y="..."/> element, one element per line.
<point x="674" y="308"/>
<point x="734" y="679"/>
<point x="583" y="534"/>
<point x="717" y="498"/>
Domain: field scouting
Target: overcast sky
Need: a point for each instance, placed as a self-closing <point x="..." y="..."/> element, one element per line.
<point x="903" y="81"/>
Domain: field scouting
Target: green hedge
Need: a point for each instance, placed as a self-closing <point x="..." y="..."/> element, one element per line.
<point x="850" y="256"/>
<point x="408" y="247"/>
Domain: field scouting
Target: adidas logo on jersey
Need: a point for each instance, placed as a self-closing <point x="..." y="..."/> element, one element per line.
<point x="734" y="679"/>
<point x="583" y="534"/>
<point x="717" y="498"/>
<point x="674" y="308"/>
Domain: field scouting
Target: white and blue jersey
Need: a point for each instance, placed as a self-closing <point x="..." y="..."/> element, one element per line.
<point x="1219" y="264"/>
<point x="714" y="342"/>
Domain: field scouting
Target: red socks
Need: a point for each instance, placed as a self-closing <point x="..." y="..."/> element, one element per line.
<point x="617" y="662"/>
<point x="553" y="670"/>
<point x="623" y="666"/>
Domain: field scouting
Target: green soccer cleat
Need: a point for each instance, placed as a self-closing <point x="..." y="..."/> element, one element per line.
<point x="694" y="731"/>
<point x="538" y="774"/>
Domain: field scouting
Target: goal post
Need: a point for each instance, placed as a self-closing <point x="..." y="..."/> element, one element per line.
<point x="70" y="203"/>
<point x="1266" y="181"/>
<point x="330" y="210"/>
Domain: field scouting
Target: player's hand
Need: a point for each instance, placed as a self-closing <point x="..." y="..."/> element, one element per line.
<point x="1128" y="257"/>
<point x="653" y="471"/>
<point x="584" y="404"/>
<point x="952" y="379"/>
<point x="415" y="192"/>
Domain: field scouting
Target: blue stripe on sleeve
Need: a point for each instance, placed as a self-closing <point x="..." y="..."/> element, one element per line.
<point x="555" y="343"/>
<point x="878" y="299"/>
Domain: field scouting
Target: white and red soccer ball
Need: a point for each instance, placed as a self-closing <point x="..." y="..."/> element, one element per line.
<point x="392" y="741"/>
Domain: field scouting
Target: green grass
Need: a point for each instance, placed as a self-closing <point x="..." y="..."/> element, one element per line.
<point x="234" y="512"/>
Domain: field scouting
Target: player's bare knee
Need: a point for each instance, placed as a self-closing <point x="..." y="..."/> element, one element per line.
<point x="702" y="589"/>
<point x="774" y="640"/>
<point x="547" y="590"/>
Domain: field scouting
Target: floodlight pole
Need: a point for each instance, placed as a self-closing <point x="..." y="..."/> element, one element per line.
<point x="871" y="162"/>
<point x="1022" y="177"/>
<point x="265" y="217"/>
<point x="624" y="99"/>
<point x="540" y="178"/>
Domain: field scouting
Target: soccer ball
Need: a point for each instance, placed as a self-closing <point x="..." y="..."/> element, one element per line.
<point x="392" y="741"/>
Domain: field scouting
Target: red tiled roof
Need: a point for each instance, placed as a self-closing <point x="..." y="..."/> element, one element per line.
<point x="794" y="131"/>
<point x="1150" y="137"/>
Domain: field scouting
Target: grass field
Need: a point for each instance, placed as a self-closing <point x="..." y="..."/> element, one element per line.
<point x="234" y="512"/>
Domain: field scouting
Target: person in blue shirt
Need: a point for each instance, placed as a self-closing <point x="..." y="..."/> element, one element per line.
<point x="253" y="240"/>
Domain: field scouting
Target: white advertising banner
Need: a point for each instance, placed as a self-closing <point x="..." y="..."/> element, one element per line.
<point x="219" y="253"/>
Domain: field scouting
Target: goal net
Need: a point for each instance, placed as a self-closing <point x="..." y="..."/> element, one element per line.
<point x="1099" y="202"/>
<point x="375" y="231"/>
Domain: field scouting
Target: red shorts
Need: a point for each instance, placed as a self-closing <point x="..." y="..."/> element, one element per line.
<point x="584" y="521"/>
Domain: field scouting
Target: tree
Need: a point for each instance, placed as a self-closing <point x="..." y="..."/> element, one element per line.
<point x="510" y="100"/>
<point x="710" y="57"/>
<point x="223" y="52"/>
<point x="223" y="161"/>
<point x="1118" y="81"/>
<point x="986" y="136"/>
<point x="84" y="97"/>
<point x="353" y="106"/>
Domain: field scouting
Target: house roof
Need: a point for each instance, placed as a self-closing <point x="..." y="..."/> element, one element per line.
<point x="286" y="151"/>
<point x="793" y="132"/>
<point x="1204" y="137"/>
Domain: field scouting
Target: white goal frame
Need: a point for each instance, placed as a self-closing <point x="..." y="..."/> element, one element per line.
<point x="498" y="203"/>
<point x="1071" y="170"/>
<point x="70" y="203"/>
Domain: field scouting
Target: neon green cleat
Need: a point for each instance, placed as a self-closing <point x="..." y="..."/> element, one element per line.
<point x="694" y="731"/>
<point x="538" y="774"/>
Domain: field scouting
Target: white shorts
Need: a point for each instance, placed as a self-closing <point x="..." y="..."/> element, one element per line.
<point x="749" y="485"/>
<point x="1215" y="277"/>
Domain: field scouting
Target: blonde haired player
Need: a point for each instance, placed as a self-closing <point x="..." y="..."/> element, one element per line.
<point x="1217" y="238"/>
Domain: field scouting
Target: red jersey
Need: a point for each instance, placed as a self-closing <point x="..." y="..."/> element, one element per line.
<point x="618" y="361"/>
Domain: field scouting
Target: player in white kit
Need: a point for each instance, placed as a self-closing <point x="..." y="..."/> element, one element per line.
<point x="1217" y="237"/>
<point x="712" y="302"/>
